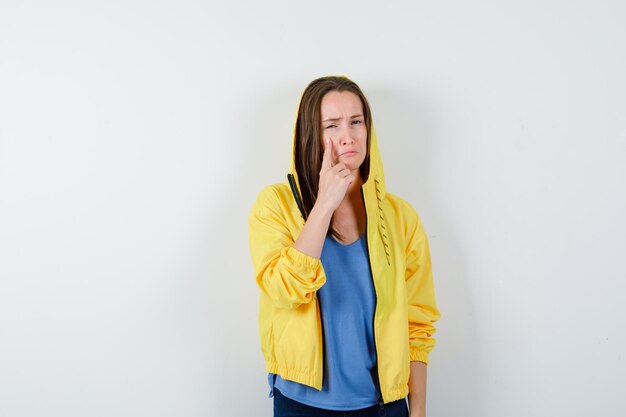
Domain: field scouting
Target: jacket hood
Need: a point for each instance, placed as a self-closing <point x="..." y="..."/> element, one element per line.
<point x="374" y="185"/>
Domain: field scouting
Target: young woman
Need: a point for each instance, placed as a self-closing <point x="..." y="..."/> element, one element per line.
<point x="347" y="306"/>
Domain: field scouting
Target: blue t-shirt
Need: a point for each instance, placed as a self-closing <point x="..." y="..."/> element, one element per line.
<point x="347" y="301"/>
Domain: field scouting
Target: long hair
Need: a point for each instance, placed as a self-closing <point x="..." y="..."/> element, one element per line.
<point x="308" y="137"/>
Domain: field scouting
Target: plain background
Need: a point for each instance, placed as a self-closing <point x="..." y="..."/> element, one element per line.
<point x="135" y="135"/>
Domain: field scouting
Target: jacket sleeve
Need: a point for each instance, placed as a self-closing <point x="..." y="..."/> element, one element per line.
<point x="423" y="312"/>
<point x="284" y="274"/>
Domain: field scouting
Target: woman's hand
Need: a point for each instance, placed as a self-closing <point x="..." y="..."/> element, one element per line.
<point x="334" y="179"/>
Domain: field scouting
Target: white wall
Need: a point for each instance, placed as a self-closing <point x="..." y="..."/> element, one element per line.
<point x="135" y="135"/>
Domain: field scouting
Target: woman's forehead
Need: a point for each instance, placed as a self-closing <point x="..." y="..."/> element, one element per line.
<point x="337" y="104"/>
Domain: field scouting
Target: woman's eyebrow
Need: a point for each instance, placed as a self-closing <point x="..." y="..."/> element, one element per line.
<point x="339" y="118"/>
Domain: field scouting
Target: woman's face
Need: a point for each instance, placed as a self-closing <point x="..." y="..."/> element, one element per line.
<point x="343" y="122"/>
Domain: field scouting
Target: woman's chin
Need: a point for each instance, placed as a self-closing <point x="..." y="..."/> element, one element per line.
<point x="350" y="164"/>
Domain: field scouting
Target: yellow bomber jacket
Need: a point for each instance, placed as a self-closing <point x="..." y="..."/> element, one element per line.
<point x="290" y="326"/>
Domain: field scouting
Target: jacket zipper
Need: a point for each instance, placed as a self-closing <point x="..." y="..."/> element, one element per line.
<point x="380" y="394"/>
<point x="296" y="195"/>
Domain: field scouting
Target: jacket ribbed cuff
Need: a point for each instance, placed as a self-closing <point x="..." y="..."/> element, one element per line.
<point x="303" y="259"/>
<point x="418" y="355"/>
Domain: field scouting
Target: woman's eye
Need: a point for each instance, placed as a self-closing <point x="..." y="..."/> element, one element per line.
<point x="329" y="126"/>
<point x="357" y="121"/>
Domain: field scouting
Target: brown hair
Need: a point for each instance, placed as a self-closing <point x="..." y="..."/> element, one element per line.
<point x="308" y="136"/>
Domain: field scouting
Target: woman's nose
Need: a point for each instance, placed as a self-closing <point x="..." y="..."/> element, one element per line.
<point x="346" y="138"/>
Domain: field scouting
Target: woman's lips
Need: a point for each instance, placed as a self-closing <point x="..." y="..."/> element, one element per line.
<point x="350" y="153"/>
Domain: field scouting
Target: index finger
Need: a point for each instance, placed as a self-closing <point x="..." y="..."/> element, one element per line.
<point x="327" y="160"/>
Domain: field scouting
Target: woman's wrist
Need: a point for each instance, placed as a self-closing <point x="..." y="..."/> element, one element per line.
<point x="322" y="209"/>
